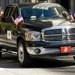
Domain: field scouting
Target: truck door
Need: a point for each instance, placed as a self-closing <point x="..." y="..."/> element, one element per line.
<point x="8" y="36"/>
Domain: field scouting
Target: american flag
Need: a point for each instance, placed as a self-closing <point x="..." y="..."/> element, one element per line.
<point x="71" y="16"/>
<point x="18" y="19"/>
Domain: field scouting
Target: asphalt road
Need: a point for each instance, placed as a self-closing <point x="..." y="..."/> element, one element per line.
<point x="9" y="66"/>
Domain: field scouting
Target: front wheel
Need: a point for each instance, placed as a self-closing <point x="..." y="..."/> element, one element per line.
<point x="23" y="57"/>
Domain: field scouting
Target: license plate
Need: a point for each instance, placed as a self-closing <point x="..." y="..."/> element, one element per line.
<point x="65" y="49"/>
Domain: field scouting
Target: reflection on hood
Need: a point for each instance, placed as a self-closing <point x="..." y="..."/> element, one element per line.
<point x="57" y="22"/>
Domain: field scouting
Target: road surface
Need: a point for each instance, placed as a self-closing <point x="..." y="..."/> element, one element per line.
<point x="9" y="66"/>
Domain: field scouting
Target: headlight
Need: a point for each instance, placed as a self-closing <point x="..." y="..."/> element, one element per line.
<point x="32" y="36"/>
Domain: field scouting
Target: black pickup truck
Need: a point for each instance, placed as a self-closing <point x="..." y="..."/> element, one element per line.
<point x="37" y="30"/>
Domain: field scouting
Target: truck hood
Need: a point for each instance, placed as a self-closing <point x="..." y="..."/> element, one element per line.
<point x="41" y="24"/>
<point x="58" y="22"/>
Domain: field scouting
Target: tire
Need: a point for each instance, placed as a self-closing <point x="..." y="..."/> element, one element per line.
<point x="23" y="57"/>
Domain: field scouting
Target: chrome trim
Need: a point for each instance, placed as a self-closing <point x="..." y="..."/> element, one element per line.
<point x="53" y="35"/>
<point x="42" y="33"/>
<point x="31" y="51"/>
<point x="1" y="43"/>
<point x="64" y="34"/>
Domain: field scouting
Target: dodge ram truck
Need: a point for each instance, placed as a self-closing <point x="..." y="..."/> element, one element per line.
<point x="37" y="30"/>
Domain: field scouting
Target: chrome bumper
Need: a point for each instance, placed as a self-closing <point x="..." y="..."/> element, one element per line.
<point x="44" y="51"/>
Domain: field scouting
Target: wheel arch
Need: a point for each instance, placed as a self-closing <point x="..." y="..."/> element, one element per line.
<point x="20" y="38"/>
<point x="26" y="59"/>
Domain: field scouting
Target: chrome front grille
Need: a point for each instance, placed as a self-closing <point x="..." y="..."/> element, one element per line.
<point x="70" y="37"/>
<point x="70" y="34"/>
<point x="70" y="31"/>
<point x="53" y="32"/>
<point x="52" y="35"/>
<point x="53" y="38"/>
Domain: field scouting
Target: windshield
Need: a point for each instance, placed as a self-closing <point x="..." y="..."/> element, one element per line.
<point x="43" y="13"/>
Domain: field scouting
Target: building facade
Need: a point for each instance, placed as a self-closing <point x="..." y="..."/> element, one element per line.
<point x="68" y="4"/>
<point x="4" y="3"/>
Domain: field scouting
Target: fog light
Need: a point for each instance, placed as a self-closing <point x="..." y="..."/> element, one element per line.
<point x="37" y="51"/>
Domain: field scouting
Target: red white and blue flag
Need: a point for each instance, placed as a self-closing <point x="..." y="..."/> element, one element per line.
<point x="71" y="16"/>
<point x="18" y="19"/>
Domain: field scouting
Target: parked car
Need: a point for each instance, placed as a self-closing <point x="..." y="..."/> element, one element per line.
<point x="38" y="30"/>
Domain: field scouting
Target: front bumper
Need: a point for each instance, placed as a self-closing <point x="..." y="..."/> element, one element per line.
<point x="49" y="49"/>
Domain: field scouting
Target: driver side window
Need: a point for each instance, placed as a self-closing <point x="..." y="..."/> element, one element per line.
<point x="15" y="13"/>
